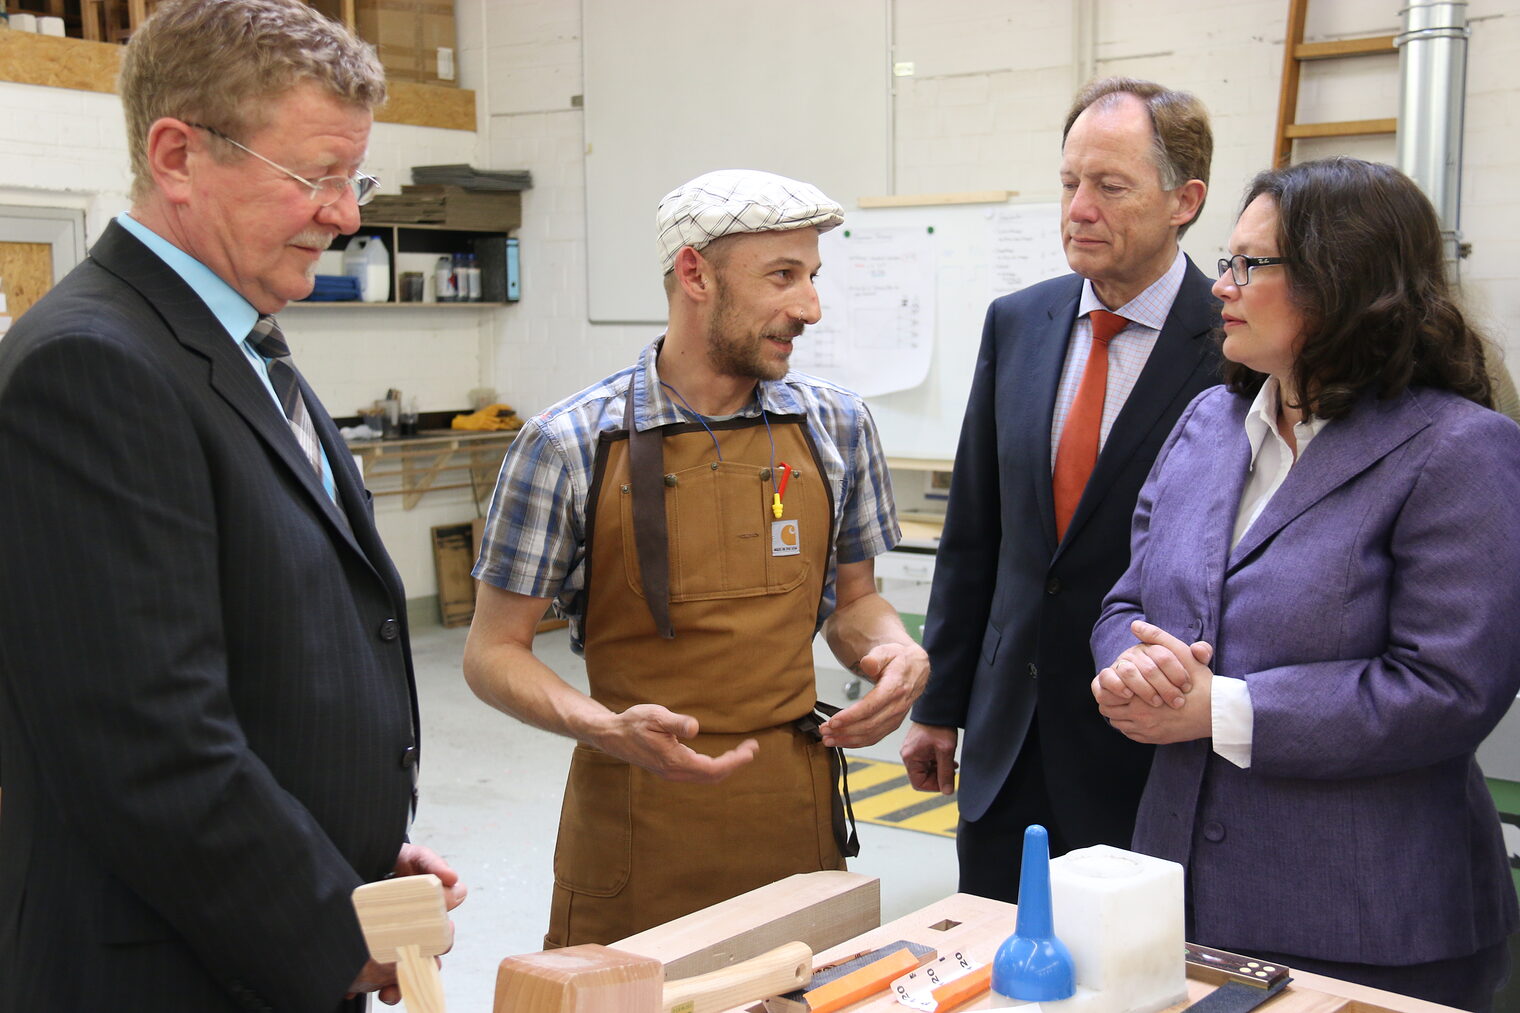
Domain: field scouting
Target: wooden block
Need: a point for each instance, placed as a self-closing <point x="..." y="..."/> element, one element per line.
<point x="409" y="910"/>
<point x="820" y="909"/>
<point x="406" y="922"/>
<point x="600" y="979"/>
<point x="578" y="979"/>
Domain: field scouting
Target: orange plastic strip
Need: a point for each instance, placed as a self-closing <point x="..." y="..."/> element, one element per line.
<point x="858" y="984"/>
<point x="952" y="994"/>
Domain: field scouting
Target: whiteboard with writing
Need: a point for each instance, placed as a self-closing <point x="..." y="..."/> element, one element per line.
<point x="904" y="292"/>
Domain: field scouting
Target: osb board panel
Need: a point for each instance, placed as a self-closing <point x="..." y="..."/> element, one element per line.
<point x="27" y="270"/>
<point x="428" y="105"/>
<point x="29" y="58"/>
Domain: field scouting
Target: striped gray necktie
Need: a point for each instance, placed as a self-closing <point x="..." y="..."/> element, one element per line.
<point x="270" y="343"/>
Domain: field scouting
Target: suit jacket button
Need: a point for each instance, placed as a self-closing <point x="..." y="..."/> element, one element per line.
<point x="390" y="630"/>
<point x="1053" y="585"/>
<point x="1034" y="673"/>
<point x="409" y="757"/>
<point x="1213" y="831"/>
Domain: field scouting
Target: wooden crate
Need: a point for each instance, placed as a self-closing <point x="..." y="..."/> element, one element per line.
<point x="455" y="548"/>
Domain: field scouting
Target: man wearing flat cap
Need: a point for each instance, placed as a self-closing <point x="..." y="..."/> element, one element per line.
<point x="698" y="517"/>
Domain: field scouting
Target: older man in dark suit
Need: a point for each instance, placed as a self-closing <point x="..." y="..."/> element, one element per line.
<point x="1077" y="383"/>
<point x="208" y="727"/>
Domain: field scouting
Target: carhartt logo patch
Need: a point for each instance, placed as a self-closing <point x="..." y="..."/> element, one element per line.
<point x="784" y="540"/>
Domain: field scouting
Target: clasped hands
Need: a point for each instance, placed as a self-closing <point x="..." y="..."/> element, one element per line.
<point x="1158" y="690"/>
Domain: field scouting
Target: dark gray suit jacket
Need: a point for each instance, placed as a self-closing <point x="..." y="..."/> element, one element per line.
<point x="207" y="717"/>
<point x="1011" y="611"/>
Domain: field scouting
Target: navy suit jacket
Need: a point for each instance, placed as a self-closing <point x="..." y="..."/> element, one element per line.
<point x="1373" y="609"/>
<point x="1011" y="611"/>
<point x="205" y="683"/>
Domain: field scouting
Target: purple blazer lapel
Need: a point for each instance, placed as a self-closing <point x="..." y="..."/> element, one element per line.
<point x="1344" y="449"/>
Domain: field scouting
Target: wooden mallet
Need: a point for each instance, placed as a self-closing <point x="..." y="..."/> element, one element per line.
<point x="406" y="922"/>
<point x="596" y="979"/>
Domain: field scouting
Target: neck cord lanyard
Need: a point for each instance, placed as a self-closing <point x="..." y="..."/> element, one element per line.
<point x="779" y="481"/>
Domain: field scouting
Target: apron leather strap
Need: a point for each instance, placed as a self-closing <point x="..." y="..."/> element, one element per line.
<point x="646" y="467"/>
<point x="845" y="830"/>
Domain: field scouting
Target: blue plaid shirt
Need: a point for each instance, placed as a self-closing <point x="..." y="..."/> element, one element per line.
<point x="535" y="538"/>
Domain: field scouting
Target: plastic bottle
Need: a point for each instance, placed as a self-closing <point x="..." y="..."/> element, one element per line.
<point x="443" y="276"/>
<point x="472" y="273"/>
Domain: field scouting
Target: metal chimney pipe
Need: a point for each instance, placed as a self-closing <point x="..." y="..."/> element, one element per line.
<point x="1432" y="97"/>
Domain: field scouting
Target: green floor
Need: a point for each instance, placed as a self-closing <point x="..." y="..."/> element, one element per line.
<point x="1507" y="799"/>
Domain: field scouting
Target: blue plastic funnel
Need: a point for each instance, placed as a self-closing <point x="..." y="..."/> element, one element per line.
<point x="1032" y="964"/>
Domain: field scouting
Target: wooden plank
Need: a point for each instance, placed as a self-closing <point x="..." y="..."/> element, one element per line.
<point x="1287" y="96"/>
<point x="1372" y="45"/>
<point x="816" y="908"/>
<point x="1343" y="128"/>
<point x="83" y="65"/>
<point x="428" y="105"/>
<point x="405" y="921"/>
<point x="27" y="272"/>
<point x="912" y="200"/>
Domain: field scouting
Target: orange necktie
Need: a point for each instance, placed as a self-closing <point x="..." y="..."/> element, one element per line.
<point x="1078" y="450"/>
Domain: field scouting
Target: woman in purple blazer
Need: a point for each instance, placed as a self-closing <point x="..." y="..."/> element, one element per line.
<point x="1321" y="618"/>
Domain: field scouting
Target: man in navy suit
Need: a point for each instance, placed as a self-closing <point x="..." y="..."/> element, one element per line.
<point x="208" y="726"/>
<point x="1077" y="384"/>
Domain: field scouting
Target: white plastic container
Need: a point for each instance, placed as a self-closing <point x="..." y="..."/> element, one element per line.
<point x="367" y="259"/>
<point x="1120" y="915"/>
<point x="446" y="285"/>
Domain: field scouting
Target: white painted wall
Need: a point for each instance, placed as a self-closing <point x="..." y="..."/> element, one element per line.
<point x="64" y="148"/>
<point x="983" y="110"/>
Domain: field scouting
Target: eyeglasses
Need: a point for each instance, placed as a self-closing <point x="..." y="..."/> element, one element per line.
<point x="326" y="191"/>
<point x="1240" y="266"/>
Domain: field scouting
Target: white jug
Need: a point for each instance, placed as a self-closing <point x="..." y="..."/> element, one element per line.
<point x="367" y="259"/>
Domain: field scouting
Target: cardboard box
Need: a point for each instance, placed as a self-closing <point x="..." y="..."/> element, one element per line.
<point x="407" y="35"/>
<point x="446" y="206"/>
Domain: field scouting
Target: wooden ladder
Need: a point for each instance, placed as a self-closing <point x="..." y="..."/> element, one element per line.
<point x="1297" y="52"/>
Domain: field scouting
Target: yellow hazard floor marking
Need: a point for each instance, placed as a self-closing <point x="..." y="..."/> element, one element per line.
<point x="881" y="794"/>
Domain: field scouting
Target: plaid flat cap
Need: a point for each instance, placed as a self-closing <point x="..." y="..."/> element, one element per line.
<point x="728" y="201"/>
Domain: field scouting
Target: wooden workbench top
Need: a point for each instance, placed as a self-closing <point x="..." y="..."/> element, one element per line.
<point x="977" y="926"/>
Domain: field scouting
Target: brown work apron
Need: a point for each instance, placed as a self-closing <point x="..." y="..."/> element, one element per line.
<point x="635" y="850"/>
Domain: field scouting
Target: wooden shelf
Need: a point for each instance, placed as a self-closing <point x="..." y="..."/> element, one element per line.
<point x="488" y="244"/>
<point x="433" y="462"/>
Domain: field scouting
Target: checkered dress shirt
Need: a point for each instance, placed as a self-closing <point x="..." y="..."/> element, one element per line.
<point x="536" y="527"/>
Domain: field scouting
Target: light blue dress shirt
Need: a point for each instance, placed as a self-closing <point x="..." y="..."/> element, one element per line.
<point x="231" y="310"/>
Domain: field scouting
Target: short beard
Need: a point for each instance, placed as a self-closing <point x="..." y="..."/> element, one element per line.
<point x="729" y="353"/>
